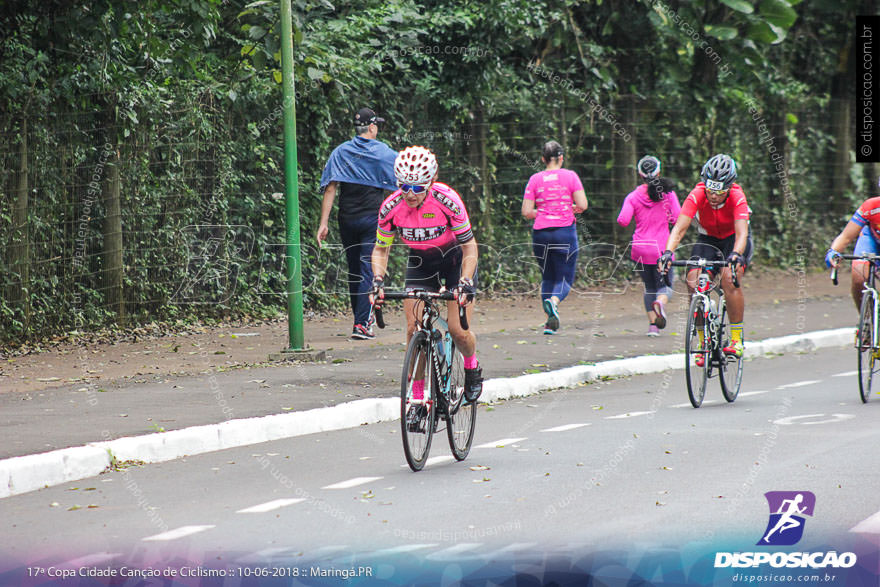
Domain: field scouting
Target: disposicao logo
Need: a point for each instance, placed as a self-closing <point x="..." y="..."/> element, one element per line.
<point x="787" y="511"/>
<point x="785" y="528"/>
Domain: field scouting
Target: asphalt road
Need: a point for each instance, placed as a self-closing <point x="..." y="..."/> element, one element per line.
<point x="617" y="464"/>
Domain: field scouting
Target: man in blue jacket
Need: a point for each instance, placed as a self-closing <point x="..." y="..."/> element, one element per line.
<point x="361" y="171"/>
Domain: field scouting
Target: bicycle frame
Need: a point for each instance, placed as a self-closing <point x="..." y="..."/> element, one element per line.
<point x="867" y="289"/>
<point x="433" y="323"/>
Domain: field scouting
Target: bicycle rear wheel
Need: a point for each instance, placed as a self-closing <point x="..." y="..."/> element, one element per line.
<point x="696" y="347"/>
<point x="867" y="361"/>
<point x="417" y="417"/>
<point x="731" y="365"/>
<point x="461" y="416"/>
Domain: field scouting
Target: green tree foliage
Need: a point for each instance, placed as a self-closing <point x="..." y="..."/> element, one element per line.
<point x="184" y="96"/>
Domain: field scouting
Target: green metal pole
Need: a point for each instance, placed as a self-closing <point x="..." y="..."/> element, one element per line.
<point x="291" y="184"/>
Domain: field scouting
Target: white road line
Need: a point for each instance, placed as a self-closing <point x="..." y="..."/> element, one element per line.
<point x="501" y="443"/>
<point x="628" y="415"/>
<point x="870" y="525"/>
<point x="799" y="384"/>
<point x="846" y="374"/>
<point x="833" y="418"/>
<point x="178" y="533"/>
<point x="718" y="401"/>
<point x="269" y="506"/>
<point x="565" y="427"/>
<point x="794" y="419"/>
<point x="351" y="483"/>
<point x="688" y="404"/>
<point x="748" y="393"/>
<point x="453" y="552"/>
<point x="402" y="549"/>
<point x="90" y="560"/>
<point x="439" y="459"/>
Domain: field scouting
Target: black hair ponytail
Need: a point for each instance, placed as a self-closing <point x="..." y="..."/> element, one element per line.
<point x="658" y="187"/>
<point x="552" y="150"/>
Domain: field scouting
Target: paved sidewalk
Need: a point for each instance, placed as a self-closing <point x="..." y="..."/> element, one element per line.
<point x="82" y="413"/>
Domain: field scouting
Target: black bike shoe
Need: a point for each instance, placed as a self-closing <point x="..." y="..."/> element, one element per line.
<point x="473" y="384"/>
<point x="415" y="418"/>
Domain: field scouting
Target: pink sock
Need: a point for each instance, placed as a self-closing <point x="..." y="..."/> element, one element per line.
<point x="418" y="389"/>
<point x="471" y="362"/>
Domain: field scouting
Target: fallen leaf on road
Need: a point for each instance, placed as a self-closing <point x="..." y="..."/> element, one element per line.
<point x="480" y="468"/>
<point x="522" y="342"/>
<point x="73" y="508"/>
<point x="483" y="480"/>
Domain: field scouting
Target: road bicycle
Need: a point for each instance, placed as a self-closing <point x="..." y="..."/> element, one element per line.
<point x="431" y="356"/>
<point x="867" y="343"/>
<point x="708" y="332"/>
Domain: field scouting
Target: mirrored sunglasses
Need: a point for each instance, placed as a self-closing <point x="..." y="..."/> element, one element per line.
<point x="716" y="192"/>
<point x="416" y="189"/>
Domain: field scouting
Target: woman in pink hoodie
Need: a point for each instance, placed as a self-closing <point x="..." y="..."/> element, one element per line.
<point x="655" y="208"/>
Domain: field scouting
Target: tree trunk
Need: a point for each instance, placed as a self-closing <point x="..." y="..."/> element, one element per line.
<point x="841" y="121"/>
<point x="777" y="125"/>
<point x="485" y="190"/>
<point x="624" y="157"/>
<point x="112" y="253"/>
<point x="19" y="251"/>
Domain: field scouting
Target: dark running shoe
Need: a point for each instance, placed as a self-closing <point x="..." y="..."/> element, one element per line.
<point x="361" y="332"/>
<point x="473" y="384"/>
<point x="660" y="311"/>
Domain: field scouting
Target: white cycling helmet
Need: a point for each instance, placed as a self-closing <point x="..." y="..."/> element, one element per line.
<point x="415" y="166"/>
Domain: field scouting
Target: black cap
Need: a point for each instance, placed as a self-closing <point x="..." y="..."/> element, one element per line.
<point x="366" y="116"/>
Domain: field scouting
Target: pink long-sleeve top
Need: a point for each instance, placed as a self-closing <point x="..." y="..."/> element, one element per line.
<point x="653" y="220"/>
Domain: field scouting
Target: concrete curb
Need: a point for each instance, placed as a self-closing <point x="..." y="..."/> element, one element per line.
<point x="31" y="472"/>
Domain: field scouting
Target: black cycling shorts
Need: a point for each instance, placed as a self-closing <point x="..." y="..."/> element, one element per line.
<point x="431" y="271"/>
<point x="718" y="249"/>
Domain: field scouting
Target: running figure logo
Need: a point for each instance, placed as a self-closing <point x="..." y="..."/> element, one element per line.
<point x="787" y="511"/>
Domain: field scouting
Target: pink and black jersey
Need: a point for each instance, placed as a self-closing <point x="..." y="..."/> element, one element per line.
<point x="868" y="215"/>
<point x="438" y="224"/>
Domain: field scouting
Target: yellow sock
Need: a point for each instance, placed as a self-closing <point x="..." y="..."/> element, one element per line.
<point x="702" y="336"/>
<point x="736" y="331"/>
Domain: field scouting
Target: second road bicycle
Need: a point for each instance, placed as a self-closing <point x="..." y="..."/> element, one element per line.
<point x="867" y="336"/>
<point x="708" y="332"/>
<point x="431" y="357"/>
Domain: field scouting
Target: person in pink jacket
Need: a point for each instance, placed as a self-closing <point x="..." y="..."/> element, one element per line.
<point x="655" y="208"/>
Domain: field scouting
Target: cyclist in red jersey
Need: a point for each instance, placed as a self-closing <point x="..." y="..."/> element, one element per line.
<point x="431" y="219"/>
<point x="720" y="208"/>
<point x="864" y="226"/>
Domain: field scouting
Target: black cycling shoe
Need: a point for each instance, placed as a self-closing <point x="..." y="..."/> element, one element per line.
<point x="415" y="418"/>
<point x="473" y="384"/>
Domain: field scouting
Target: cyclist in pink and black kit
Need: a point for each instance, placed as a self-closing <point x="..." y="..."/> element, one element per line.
<point x="864" y="226"/>
<point x="430" y="218"/>
<point x="719" y="206"/>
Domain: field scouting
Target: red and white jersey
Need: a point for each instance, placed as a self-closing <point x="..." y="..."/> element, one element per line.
<point x="716" y="222"/>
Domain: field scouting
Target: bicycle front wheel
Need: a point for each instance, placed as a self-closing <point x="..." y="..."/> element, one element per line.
<point x="865" y="346"/>
<point x="731" y="365"/>
<point x="462" y="416"/>
<point x="417" y="415"/>
<point x="696" y="351"/>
